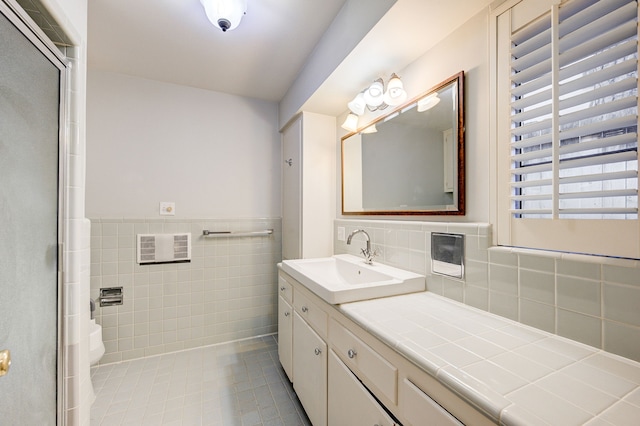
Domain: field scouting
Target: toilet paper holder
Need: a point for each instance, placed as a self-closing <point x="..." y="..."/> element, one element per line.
<point x="111" y="296"/>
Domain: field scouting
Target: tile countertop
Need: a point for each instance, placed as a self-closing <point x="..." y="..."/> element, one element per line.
<point x="516" y="374"/>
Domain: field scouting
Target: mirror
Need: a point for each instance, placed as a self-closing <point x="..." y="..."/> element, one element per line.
<point x="411" y="160"/>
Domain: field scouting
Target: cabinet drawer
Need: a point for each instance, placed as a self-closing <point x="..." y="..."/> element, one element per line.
<point x="311" y="313"/>
<point x="419" y="409"/>
<point x="285" y="289"/>
<point x="350" y="403"/>
<point x="359" y="357"/>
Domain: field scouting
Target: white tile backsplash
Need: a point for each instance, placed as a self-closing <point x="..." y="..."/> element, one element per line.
<point x="593" y="300"/>
<point x="227" y="291"/>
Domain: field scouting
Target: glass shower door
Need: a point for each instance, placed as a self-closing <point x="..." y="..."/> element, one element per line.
<point x="30" y="86"/>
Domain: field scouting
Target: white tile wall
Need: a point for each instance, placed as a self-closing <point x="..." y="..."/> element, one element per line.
<point x="590" y="299"/>
<point x="227" y="291"/>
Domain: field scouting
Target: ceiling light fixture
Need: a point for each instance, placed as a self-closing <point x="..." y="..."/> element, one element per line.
<point x="225" y="14"/>
<point x="375" y="98"/>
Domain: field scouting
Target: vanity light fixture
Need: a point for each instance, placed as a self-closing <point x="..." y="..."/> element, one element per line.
<point x="428" y="102"/>
<point x="358" y="104"/>
<point x="351" y="123"/>
<point x="370" y="129"/>
<point x="225" y="14"/>
<point x="374" y="94"/>
<point x="374" y="98"/>
<point x="395" y="94"/>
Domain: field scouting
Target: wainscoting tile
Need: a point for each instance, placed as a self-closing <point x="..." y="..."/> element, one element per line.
<point x="568" y="294"/>
<point x="235" y="276"/>
<point x="538" y="286"/>
<point x="505" y="305"/>
<point x="503" y="279"/>
<point x="572" y="268"/>
<point x="579" y="295"/>
<point x="622" y="339"/>
<point x="621" y="303"/>
<point x="622" y="275"/>
<point x="538" y="315"/>
<point x="503" y="257"/>
<point x="582" y="328"/>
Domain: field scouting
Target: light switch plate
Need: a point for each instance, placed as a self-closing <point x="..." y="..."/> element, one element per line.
<point x="341" y="236"/>
<point x="167" y="208"/>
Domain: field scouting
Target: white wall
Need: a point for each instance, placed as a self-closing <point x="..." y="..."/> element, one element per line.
<point x="353" y="22"/>
<point x="72" y="14"/>
<point x="213" y="154"/>
<point x="218" y="157"/>
<point x="466" y="49"/>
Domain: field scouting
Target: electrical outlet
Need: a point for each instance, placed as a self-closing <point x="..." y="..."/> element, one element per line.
<point x="167" y="208"/>
<point x="341" y="236"/>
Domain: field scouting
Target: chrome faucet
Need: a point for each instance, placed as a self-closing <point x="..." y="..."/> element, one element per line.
<point x="366" y="252"/>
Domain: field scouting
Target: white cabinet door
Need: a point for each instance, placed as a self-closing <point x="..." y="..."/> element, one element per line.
<point x="308" y="186"/>
<point x="419" y="409"/>
<point x="349" y="402"/>
<point x="310" y="370"/>
<point x="285" y="336"/>
<point x="292" y="191"/>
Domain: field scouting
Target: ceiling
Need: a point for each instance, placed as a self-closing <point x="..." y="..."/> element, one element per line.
<point x="172" y="41"/>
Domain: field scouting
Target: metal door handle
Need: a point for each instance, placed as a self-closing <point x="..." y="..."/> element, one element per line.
<point x="5" y="362"/>
<point x="352" y="353"/>
<point x="305" y="309"/>
<point x="282" y="288"/>
<point x="286" y="314"/>
<point x="317" y="351"/>
<point x="289" y="161"/>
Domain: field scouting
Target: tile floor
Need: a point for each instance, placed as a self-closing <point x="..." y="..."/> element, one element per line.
<point x="232" y="384"/>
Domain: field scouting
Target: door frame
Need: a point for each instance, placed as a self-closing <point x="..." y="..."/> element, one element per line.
<point x="23" y="22"/>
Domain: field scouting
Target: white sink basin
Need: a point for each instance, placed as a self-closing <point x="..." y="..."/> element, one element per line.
<point x="346" y="278"/>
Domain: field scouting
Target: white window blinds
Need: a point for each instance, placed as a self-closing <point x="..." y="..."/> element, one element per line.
<point x="574" y="113"/>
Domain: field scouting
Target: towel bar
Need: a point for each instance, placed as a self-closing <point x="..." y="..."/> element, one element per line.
<point x="208" y="233"/>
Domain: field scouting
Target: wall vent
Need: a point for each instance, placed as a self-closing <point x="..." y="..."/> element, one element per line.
<point x="164" y="248"/>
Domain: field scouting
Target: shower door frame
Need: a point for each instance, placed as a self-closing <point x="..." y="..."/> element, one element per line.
<point x="30" y="30"/>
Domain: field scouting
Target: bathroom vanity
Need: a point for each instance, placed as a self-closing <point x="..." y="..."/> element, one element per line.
<point x="419" y="358"/>
<point x="344" y="375"/>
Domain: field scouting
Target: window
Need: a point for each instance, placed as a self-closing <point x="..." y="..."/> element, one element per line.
<point x="566" y="126"/>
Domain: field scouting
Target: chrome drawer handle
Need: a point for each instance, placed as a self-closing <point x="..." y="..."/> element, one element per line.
<point x="352" y="353"/>
<point x="317" y="351"/>
<point x="305" y="309"/>
<point x="282" y="288"/>
<point x="286" y="314"/>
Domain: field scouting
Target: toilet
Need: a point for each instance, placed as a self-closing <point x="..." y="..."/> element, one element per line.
<point x="96" y="345"/>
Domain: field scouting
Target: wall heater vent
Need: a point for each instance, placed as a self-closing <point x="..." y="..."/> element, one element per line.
<point x="164" y="248"/>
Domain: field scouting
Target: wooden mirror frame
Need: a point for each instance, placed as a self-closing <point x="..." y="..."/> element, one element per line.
<point x="460" y="207"/>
